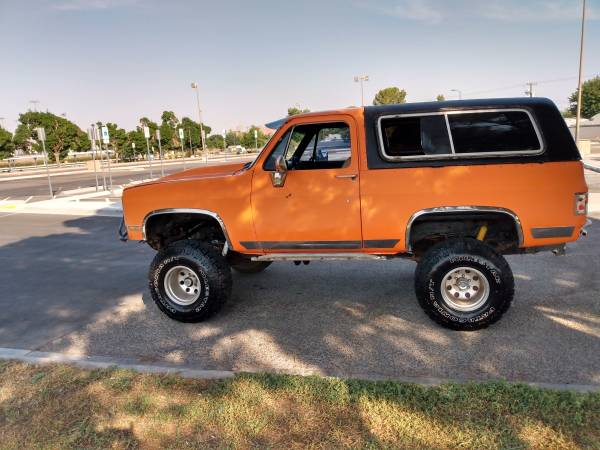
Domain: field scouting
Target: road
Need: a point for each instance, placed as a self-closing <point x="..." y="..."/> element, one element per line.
<point x="69" y="285"/>
<point x="121" y="175"/>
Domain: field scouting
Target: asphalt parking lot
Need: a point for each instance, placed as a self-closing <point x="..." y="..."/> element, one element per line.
<point x="69" y="285"/>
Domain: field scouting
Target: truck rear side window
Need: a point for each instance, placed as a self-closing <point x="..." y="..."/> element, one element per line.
<point x="457" y="134"/>
<point x="501" y="131"/>
<point x="415" y="135"/>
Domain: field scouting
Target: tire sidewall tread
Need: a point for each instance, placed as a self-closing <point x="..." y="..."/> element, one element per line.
<point x="210" y="267"/>
<point x="440" y="259"/>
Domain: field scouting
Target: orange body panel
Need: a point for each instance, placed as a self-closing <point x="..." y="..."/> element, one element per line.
<point x="317" y="205"/>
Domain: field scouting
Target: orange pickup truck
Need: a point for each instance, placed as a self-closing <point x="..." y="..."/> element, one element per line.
<point x="452" y="185"/>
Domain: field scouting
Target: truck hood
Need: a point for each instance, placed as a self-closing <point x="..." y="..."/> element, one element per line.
<point x="198" y="173"/>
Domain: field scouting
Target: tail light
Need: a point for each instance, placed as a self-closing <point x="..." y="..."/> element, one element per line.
<point x="581" y="204"/>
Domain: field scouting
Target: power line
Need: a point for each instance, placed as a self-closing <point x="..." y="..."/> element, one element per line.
<point x="514" y="86"/>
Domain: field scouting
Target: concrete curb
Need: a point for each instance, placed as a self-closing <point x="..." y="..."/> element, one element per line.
<point x="100" y="362"/>
<point x="91" y="362"/>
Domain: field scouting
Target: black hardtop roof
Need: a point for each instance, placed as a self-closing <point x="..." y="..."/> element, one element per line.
<point x="484" y="103"/>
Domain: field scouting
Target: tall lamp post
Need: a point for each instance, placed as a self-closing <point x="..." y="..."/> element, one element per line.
<point x="361" y="79"/>
<point x="458" y="91"/>
<point x="578" y="118"/>
<point x="195" y="86"/>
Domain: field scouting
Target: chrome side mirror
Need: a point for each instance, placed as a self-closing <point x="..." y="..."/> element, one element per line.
<point x="278" y="177"/>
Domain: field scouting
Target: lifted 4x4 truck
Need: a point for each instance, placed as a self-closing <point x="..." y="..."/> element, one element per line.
<point x="452" y="185"/>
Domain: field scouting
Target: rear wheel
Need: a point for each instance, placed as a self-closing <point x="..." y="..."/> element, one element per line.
<point x="250" y="266"/>
<point x="464" y="284"/>
<point x="189" y="281"/>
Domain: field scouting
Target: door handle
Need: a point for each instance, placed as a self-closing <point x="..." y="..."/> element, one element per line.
<point x="351" y="176"/>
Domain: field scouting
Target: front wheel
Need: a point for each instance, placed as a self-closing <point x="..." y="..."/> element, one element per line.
<point x="464" y="284"/>
<point x="189" y="281"/>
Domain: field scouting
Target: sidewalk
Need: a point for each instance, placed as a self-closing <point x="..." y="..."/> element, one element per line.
<point x="70" y="170"/>
<point x="78" y="202"/>
<point x="592" y="162"/>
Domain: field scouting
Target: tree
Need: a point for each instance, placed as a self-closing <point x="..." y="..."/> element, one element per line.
<point x="440" y="98"/>
<point x="6" y="144"/>
<point x="62" y="135"/>
<point x="214" y="141"/>
<point x="248" y="140"/>
<point x="134" y="137"/>
<point x="590" y="98"/>
<point x="390" y="96"/>
<point x="116" y="136"/>
<point x="169" y="138"/>
<point x="293" y="110"/>
<point x="188" y="126"/>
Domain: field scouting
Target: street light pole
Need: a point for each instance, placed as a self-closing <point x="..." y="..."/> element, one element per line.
<point x="195" y="86"/>
<point x="458" y="91"/>
<point x="578" y="118"/>
<point x="361" y="79"/>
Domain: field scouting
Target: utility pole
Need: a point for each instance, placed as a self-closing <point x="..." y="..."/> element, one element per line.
<point x="361" y="79"/>
<point x="195" y="86"/>
<point x="529" y="92"/>
<point x="34" y="103"/>
<point x="578" y="118"/>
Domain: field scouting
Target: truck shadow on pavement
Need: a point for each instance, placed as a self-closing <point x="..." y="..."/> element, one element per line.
<point x="82" y="291"/>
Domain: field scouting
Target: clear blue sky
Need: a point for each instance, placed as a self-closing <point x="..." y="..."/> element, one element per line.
<point x="119" y="60"/>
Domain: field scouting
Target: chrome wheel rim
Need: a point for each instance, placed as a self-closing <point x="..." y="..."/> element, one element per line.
<point x="465" y="289"/>
<point x="182" y="285"/>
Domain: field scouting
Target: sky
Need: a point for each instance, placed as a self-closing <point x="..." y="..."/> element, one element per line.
<point x="120" y="60"/>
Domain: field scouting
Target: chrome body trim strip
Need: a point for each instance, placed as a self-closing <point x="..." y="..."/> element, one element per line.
<point x="455" y="155"/>
<point x="203" y="212"/>
<point x="318" y="257"/>
<point x="467" y="209"/>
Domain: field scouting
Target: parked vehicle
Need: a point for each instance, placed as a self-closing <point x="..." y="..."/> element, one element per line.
<point x="237" y="149"/>
<point x="452" y="185"/>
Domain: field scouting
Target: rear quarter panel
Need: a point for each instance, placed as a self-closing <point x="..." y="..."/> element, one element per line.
<point x="540" y="194"/>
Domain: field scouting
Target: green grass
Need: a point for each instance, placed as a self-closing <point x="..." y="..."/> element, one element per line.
<point x="64" y="407"/>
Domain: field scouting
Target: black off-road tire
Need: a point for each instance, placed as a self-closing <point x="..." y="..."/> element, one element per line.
<point x="211" y="270"/>
<point x="440" y="260"/>
<point x="250" y="266"/>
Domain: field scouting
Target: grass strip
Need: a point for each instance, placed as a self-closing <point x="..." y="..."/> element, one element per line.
<point x="60" y="406"/>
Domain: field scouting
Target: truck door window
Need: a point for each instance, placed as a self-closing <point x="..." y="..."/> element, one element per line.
<point x="319" y="146"/>
<point x="313" y="147"/>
